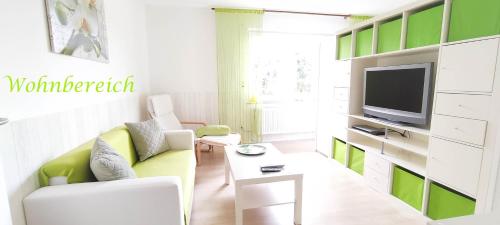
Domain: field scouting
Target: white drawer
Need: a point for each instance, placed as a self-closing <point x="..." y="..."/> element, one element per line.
<point x="377" y="163"/>
<point x="468" y="66"/>
<point x="341" y="94"/>
<point x="455" y="165"/>
<point x="342" y="107"/>
<point x="468" y="106"/>
<point x="376" y="181"/>
<point x="459" y="129"/>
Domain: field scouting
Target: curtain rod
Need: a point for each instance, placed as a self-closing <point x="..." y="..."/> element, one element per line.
<point x="306" y="13"/>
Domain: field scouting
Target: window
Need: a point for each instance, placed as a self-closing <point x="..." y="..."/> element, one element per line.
<point x="285" y="66"/>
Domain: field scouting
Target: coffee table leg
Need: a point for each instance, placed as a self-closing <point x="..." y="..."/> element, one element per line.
<point x="226" y="169"/>
<point x="238" y="209"/>
<point x="298" y="201"/>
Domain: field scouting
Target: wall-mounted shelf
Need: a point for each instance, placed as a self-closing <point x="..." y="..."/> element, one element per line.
<point x="417" y="130"/>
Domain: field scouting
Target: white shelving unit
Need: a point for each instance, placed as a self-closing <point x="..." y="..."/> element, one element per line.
<point x="461" y="69"/>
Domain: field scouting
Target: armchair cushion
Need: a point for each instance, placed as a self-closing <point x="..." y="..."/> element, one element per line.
<point x="213" y="130"/>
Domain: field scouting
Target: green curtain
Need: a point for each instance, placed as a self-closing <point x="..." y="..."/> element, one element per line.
<point x="238" y="105"/>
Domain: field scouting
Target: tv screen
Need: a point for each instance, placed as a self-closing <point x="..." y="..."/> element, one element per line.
<point x="398" y="93"/>
<point x="396" y="89"/>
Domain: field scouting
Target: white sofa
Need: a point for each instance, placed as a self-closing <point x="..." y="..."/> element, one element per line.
<point x="154" y="200"/>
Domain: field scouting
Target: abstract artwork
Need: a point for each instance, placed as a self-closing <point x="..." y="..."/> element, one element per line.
<point x="77" y="28"/>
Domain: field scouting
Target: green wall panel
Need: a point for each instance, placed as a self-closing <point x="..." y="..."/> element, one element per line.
<point x="389" y="36"/>
<point x="356" y="160"/>
<point x="424" y="27"/>
<point x="474" y="18"/>
<point x="339" y="150"/>
<point x="408" y="187"/>
<point x="344" y="47"/>
<point x="364" y="42"/>
<point x="445" y="203"/>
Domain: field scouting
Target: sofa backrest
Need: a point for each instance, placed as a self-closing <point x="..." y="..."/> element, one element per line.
<point x="75" y="164"/>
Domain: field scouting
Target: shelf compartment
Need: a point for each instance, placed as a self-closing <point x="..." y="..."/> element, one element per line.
<point x="389" y="36"/>
<point x="422" y="131"/>
<point x="344" y="47"/>
<point x="339" y="151"/>
<point x="414" y="146"/>
<point x="472" y="19"/>
<point x="364" y="40"/>
<point x="408" y="187"/>
<point x="356" y="160"/>
<point x="446" y="203"/>
<point x="424" y="27"/>
<point x="394" y="155"/>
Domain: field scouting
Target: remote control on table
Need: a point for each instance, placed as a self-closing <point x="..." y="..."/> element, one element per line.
<point x="270" y="169"/>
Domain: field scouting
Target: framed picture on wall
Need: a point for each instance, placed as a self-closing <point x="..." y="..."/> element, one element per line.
<point x="77" y="28"/>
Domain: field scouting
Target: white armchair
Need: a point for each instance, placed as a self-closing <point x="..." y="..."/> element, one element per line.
<point x="161" y="108"/>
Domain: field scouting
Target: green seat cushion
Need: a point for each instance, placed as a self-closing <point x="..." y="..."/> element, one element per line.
<point x="181" y="163"/>
<point x="75" y="164"/>
<point x="213" y="130"/>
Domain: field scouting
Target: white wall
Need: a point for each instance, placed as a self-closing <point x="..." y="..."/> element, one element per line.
<point x="44" y="126"/>
<point x="183" y="54"/>
<point x="25" y="51"/>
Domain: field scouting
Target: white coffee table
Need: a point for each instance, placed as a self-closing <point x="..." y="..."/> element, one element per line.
<point x="254" y="189"/>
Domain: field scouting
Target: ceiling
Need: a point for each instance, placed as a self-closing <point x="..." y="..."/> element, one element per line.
<point x="355" y="7"/>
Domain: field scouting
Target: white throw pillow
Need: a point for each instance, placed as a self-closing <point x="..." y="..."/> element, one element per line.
<point x="107" y="164"/>
<point x="149" y="138"/>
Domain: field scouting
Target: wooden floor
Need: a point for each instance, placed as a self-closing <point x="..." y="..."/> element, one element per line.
<point x="332" y="195"/>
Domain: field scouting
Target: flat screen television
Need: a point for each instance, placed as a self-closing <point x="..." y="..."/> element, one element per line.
<point x="398" y="93"/>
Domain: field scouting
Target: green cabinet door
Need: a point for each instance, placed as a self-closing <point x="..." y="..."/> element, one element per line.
<point x="339" y="151"/>
<point x="446" y="203"/>
<point x="344" y="47"/>
<point x="473" y="19"/>
<point x="389" y="36"/>
<point x="408" y="186"/>
<point x="364" y="42"/>
<point x="356" y="160"/>
<point x="424" y="27"/>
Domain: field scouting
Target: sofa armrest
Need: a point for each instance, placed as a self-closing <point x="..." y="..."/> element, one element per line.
<point x="152" y="201"/>
<point x="180" y="139"/>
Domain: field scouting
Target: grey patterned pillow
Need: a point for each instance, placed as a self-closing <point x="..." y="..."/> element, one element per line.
<point x="148" y="137"/>
<point x="107" y="164"/>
